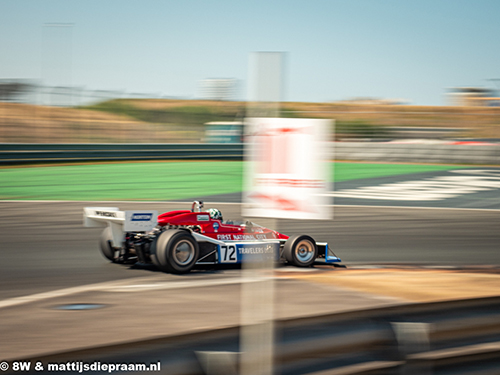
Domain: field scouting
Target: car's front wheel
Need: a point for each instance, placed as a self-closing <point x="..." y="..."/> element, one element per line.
<point x="301" y="251"/>
<point x="176" y="251"/>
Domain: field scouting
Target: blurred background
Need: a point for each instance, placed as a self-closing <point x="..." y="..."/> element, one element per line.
<point x="30" y="113"/>
<point x="383" y="71"/>
<point x="414" y="92"/>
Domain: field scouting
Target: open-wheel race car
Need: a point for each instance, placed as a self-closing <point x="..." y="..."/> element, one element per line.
<point x="176" y="241"/>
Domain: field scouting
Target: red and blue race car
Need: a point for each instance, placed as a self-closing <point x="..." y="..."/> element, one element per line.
<point x="176" y="241"/>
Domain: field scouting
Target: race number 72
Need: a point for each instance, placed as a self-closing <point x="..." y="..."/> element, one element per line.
<point x="228" y="254"/>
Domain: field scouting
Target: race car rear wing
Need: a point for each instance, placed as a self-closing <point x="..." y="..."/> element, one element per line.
<point x="120" y="222"/>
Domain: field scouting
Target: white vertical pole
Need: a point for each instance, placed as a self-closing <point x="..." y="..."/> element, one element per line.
<point x="257" y="298"/>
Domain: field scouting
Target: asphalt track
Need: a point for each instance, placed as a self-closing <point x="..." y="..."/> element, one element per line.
<point x="441" y="217"/>
<point x="475" y="188"/>
<point x="45" y="247"/>
<point x="49" y="259"/>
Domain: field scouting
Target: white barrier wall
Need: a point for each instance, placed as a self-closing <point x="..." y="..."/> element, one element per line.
<point x="421" y="153"/>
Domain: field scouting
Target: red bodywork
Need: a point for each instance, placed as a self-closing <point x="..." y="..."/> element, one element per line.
<point x="202" y="223"/>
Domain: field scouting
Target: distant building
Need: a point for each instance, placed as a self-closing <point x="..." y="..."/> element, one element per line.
<point x="17" y="90"/>
<point x="218" y="89"/>
<point x="473" y="97"/>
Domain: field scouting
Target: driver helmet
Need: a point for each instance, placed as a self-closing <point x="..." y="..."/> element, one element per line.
<point x="215" y="214"/>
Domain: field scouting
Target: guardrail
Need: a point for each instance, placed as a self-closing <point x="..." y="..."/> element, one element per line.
<point x="16" y="153"/>
<point x="418" y="152"/>
<point x="458" y="337"/>
<point x="12" y="153"/>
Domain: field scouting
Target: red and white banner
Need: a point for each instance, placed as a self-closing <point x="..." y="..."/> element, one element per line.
<point x="287" y="169"/>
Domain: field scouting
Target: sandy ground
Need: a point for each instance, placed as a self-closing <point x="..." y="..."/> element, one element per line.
<point x="418" y="285"/>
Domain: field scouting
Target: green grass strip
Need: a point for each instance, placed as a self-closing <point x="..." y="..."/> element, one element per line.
<point x="157" y="181"/>
<point x="356" y="171"/>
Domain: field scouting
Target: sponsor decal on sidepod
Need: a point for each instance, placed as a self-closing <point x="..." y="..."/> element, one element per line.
<point x="142" y="217"/>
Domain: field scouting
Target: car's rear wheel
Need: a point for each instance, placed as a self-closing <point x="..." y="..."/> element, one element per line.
<point x="301" y="251"/>
<point x="106" y="244"/>
<point x="176" y="251"/>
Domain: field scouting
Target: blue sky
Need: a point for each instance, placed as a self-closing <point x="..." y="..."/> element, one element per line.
<point x="336" y="49"/>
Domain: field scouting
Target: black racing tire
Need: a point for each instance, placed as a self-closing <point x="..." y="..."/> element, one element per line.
<point x="176" y="251"/>
<point x="106" y="244"/>
<point x="300" y="250"/>
<point x="152" y="252"/>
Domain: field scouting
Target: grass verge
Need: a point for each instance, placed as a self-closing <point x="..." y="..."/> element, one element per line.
<point x="159" y="180"/>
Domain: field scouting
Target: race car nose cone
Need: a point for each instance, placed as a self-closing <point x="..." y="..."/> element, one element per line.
<point x="79" y="306"/>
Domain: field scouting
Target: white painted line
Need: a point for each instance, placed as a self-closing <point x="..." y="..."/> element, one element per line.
<point x="428" y="189"/>
<point x="419" y="208"/>
<point x="120" y="286"/>
<point x="228" y="203"/>
<point x="60" y="293"/>
<point x="179" y="285"/>
<point x="296" y="270"/>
